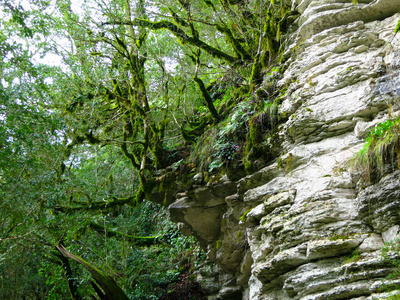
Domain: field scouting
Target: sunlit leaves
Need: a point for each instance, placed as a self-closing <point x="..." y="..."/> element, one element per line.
<point x="397" y="29"/>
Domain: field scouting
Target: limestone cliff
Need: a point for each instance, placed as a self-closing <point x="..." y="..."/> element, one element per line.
<point x="305" y="227"/>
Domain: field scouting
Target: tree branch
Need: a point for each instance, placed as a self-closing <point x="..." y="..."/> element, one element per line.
<point x="111" y="289"/>
<point x="179" y="33"/>
<point x="97" y="205"/>
<point x="141" y="240"/>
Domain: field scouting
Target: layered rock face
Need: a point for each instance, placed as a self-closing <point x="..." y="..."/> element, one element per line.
<point x="305" y="227"/>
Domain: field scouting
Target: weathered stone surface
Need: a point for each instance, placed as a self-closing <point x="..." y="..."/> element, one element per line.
<point x="208" y="277"/>
<point x="205" y="197"/>
<point x="372" y="243"/>
<point x="391" y="234"/>
<point x="270" y="204"/>
<point x="281" y="263"/>
<point x="305" y="227"/>
<point x="323" y="14"/>
<point x="379" y="204"/>
<point x="203" y="222"/>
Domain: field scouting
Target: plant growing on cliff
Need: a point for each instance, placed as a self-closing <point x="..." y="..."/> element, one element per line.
<point x="381" y="148"/>
<point x="397" y="29"/>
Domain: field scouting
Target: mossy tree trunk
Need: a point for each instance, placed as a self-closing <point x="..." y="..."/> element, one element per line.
<point x="71" y="278"/>
<point x="137" y="129"/>
<point x="110" y="288"/>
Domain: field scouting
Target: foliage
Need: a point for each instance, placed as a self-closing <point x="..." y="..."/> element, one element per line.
<point x="31" y="145"/>
<point x="397" y="29"/>
<point x="355" y="256"/>
<point x="130" y="33"/>
<point x="250" y="119"/>
<point x="93" y="102"/>
<point x="381" y="147"/>
<point x="144" y="271"/>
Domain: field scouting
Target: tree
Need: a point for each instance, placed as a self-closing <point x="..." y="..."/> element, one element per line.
<point x="114" y="69"/>
<point x="31" y="148"/>
<point x="111" y="102"/>
<point x="140" y="86"/>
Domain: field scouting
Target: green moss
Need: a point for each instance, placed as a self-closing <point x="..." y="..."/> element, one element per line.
<point x="279" y="164"/>
<point x="256" y="76"/>
<point x="355" y="256"/>
<point x="394" y="247"/>
<point x="285" y="163"/>
<point x="243" y="217"/>
<point x="237" y="47"/>
<point x="339" y="237"/>
<point x="156" y="144"/>
<point x="214" y="179"/>
<point x="218" y="244"/>
<point x="389" y="288"/>
<point x="224" y="222"/>
<point x="166" y="181"/>
<point x="239" y="235"/>
<point x="397" y="29"/>
<point x="288" y="161"/>
<point x="248" y="166"/>
<point x="207" y="97"/>
<point x="252" y="141"/>
<point x="189" y="138"/>
<point x="197" y="128"/>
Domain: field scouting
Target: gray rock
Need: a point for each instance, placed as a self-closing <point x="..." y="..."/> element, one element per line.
<point x="391" y="234"/>
<point x="371" y="243"/>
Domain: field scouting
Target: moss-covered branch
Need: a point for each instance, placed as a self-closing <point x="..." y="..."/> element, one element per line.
<point x="72" y="280"/>
<point x="140" y="240"/>
<point x="180" y="34"/>
<point x="238" y="48"/>
<point x="109" y="203"/>
<point x="256" y="74"/>
<point x="111" y="289"/>
<point x="132" y="158"/>
<point x="156" y="143"/>
<point x="207" y="97"/>
<point x="177" y="19"/>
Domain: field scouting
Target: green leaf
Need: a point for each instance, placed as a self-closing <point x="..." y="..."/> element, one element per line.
<point x="397" y="27"/>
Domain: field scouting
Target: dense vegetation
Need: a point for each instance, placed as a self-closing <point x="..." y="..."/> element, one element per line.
<point x="97" y="98"/>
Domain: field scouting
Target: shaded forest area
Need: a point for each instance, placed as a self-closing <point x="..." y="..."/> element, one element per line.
<point x="102" y="105"/>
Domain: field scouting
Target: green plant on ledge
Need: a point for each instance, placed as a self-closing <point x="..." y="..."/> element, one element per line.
<point x="353" y="257"/>
<point x="382" y="147"/>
